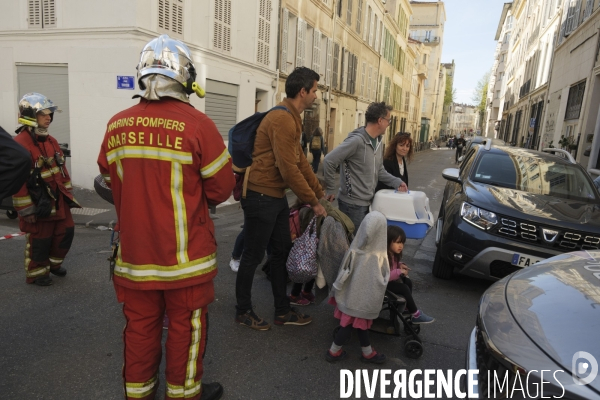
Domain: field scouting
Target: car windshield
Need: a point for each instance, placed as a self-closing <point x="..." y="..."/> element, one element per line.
<point x="534" y="175"/>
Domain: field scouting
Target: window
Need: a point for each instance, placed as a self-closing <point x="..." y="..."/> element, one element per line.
<point x="574" y="101"/>
<point x="329" y="61"/>
<point x="41" y="14"/>
<point x="264" y="32"/>
<point x="406" y="100"/>
<point x="372" y="30"/>
<point x="339" y="8"/>
<point x="362" y="79"/>
<point x="367" y="25"/>
<point x="589" y="7"/>
<point x="349" y="13"/>
<point x="572" y="20"/>
<point x="506" y="38"/>
<point x="336" y="63"/>
<point x="222" y="24"/>
<point x="424" y="58"/>
<point x="359" y="16"/>
<point x="428" y="36"/>
<point x="369" y="78"/>
<point x="301" y="44"/>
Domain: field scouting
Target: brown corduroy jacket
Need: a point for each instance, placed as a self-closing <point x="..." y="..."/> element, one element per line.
<point x="278" y="161"/>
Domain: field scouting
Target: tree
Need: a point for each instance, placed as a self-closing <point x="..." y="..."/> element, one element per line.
<point x="450" y="93"/>
<point x="480" y="92"/>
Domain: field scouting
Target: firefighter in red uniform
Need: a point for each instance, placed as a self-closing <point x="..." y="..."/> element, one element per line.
<point x="45" y="200"/>
<point x="165" y="163"/>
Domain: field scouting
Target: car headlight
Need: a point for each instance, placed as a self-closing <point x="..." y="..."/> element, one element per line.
<point x="478" y="217"/>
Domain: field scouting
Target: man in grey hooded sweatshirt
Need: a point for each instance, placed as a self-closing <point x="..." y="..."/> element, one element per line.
<point x="361" y="165"/>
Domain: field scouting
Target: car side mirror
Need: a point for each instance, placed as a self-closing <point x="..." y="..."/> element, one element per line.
<point x="451" y="174"/>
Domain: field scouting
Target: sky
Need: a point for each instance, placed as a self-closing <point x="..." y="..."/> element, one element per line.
<point x="469" y="35"/>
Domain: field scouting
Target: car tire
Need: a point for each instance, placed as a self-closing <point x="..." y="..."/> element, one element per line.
<point x="441" y="269"/>
<point x="12" y="214"/>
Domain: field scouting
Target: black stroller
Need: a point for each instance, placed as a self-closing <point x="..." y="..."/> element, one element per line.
<point x="389" y="321"/>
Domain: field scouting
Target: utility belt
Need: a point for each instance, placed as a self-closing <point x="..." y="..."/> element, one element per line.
<point x="41" y="194"/>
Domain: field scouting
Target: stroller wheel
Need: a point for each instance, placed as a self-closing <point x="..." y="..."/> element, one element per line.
<point x="413" y="349"/>
<point x="416" y="328"/>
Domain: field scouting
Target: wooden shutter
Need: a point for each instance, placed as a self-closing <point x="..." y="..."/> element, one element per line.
<point x="359" y="8"/>
<point x="336" y="63"/>
<point x="34" y="17"/>
<point x="349" y="13"/>
<point x="301" y="43"/>
<point x="316" y="58"/>
<point x="285" y="25"/>
<point x="170" y="16"/>
<point x="49" y="13"/>
<point x="368" y="94"/>
<point x="264" y="32"/>
<point x="329" y="61"/>
<point x="362" y="79"/>
<point x="372" y="29"/>
<point x="222" y="25"/>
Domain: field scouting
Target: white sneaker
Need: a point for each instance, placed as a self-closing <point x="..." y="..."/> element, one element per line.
<point x="234" y="264"/>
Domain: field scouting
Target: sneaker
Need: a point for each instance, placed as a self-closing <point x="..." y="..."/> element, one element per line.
<point x="293" y="317"/>
<point x="165" y="322"/>
<point x="422" y="319"/>
<point x="234" y="264"/>
<point x="253" y="321"/>
<point x="308" y="296"/>
<point x="298" y="300"/>
<point x="333" y="358"/>
<point x="374" y="358"/>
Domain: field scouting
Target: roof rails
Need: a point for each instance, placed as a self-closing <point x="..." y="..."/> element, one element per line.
<point x="563" y="153"/>
<point x="488" y="144"/>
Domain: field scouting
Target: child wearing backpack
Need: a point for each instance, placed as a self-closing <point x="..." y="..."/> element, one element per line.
<point x="359" y="289"/>
<point x="399" y="282"/>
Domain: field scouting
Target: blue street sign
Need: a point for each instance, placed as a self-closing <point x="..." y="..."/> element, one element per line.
<point x="125" y="82"/>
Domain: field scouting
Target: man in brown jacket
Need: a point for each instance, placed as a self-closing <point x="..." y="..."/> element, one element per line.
<point x="278" y="163"/>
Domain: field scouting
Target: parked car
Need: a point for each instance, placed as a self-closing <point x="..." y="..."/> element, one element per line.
<point x="507" y="208"/>
<point x="538" y="329"/>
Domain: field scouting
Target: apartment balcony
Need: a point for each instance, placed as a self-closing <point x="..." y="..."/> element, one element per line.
<point x="427" y="39"/>
<point x="525" y="89"/>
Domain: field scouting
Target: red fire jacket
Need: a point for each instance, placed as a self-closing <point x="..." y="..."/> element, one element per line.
<point x="58" y="180"/>
<point x="165" y="163"/>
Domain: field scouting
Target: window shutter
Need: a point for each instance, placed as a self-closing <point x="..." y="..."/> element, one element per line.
<point x="285" y="25"/>
<point x="329" y="61"/>
<point x="343" y="64"/>
<point x="301" y="43"/>
<point x="375" y="43"/>
<point x="367" y="25"/>
<point x="34" y="13"/>
<point x="222" y="25"/>
<point x="49" y="13"/>
<point x="350" y="88"/>
<point x="349" y="13"/>
<point x="370" y="76"/>
<point x="359" y="16"/>
<point x="264" y="32"/>
<point x="316" y="51"/>
<point x="362" y="79"/>
<point x="372" y="30"/>
<point x="355" y="74"/>
<point x="170" y="16"/>
<point x="336" y="63"/>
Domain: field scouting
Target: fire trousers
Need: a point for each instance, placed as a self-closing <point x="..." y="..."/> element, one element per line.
<point x="48" y="243"/>
<point x="185" y="346"/>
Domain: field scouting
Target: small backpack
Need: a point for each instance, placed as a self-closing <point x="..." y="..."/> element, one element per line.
<point x="301" y="264"/>
<point x="315" y="143"/>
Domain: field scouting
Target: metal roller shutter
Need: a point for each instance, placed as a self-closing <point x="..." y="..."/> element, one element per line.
<point x="221" y="105"/>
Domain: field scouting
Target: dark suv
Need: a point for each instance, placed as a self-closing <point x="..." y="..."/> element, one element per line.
<point x="507" y="208"/>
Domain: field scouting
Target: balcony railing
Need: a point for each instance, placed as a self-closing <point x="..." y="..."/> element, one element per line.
<point x="525" y="89"/>
<point x="426" y="39"/>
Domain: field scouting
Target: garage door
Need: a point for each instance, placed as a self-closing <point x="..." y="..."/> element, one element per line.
<point x="52" y="82"/>
<point x="221" y="105"/>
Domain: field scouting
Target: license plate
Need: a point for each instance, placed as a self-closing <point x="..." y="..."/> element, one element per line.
<point x="524" y="260"/>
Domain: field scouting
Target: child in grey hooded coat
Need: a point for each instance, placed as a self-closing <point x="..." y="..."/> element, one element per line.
<point x="360" y="287"/>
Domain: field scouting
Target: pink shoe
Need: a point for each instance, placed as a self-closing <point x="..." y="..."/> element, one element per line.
<point x="308" y="296"/>
<point x="298" y="300"/>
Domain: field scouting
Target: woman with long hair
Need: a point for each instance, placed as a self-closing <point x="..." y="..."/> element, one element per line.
<point x="397" y="153"/>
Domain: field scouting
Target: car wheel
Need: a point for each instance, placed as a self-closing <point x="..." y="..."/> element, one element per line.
<point x="439" y="224"/>
<point x="11" y="214"/>
<point x="441" y="269"/>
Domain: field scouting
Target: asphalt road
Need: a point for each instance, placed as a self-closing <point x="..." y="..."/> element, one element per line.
<point x="64" y="341"/>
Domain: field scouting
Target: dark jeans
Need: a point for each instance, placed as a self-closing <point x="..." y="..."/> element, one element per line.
<point x="297" y="287"/>
<point x="316" y="160"/>
<point x="355" y="213"/>
<point x="459" y="151"/>
<point x="403" y="287"/>
<point x="266" y="221"/>
<point x="238" y="247"/>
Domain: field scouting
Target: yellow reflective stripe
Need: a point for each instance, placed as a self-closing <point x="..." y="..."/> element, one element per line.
<point x="216" y="165"/>
<point x="119" y="169"/>
<point x="153" y="153"/>
<point x="191" y="387"/>
<point x="55" y="261"/>
<point x="68" y="185"/>
<point x="175" y="391"/>
<point x="139" y="390"/>
<point x="179" y="213"/>
<point x="32" y="273"/>
<point x="22" y="201"/>
<point x="49" y="172"/>
<point x="149" y="272"/>
<point x="106" y="178"/>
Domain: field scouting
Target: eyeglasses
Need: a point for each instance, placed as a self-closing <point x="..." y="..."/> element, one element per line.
<point x="387" y="119"/>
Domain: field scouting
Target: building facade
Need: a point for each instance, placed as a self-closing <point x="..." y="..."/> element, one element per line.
<point x="464" y="119"/>
<point x="450" y="68"/>
<point x="83" y="54"/>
